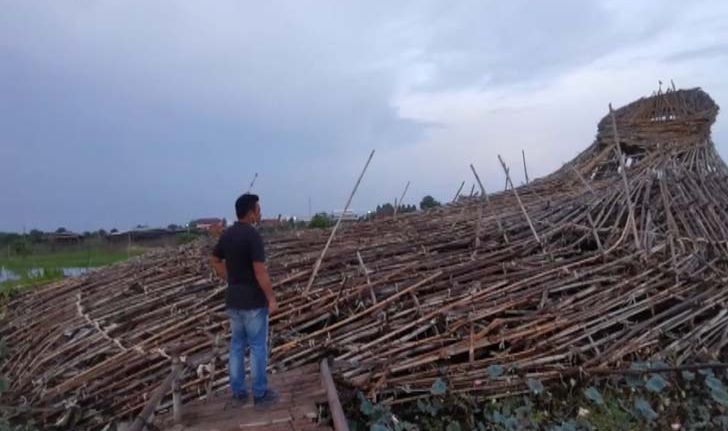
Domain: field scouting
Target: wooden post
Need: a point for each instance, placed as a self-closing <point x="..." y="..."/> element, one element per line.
<point x="525" y="169"/>
<point x="336" y="227"/>
<point x="337" y="413"/>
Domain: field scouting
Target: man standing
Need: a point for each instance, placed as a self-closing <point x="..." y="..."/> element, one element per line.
<point x="239" y="258"/>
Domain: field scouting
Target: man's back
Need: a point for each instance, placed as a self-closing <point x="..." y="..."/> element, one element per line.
<point x="241" y="245"/>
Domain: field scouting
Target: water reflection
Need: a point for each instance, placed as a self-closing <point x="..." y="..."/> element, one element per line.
<point x="6" y="274"/>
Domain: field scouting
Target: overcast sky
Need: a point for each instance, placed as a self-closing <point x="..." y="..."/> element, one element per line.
<point x="118" y="113"/>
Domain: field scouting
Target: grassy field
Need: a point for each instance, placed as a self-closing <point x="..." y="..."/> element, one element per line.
<point x="48" y="265"/>
<point x="77" y="258"/>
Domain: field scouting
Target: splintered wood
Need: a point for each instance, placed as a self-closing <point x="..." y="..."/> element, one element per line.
<point x="617" y="256"/>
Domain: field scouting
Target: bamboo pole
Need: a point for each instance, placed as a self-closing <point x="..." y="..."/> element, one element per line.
<point x="625" y="182"/>
<point x="401" y="199"/>
<point x="252" y="183"/>
<point x="317" y="265"/>
<point x="520" y="202"/>
<point x="457" y="194"/>
<point x="337" y="412"/>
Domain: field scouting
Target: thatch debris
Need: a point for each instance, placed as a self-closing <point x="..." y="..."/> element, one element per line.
<point x="621" y="254"/>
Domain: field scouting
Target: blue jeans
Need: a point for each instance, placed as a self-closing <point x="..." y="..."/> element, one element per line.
<point x="249" y="328"/>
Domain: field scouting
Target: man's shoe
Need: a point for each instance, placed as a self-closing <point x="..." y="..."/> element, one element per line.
<point x="240" y="399"/>
<point x="267" y="400"/>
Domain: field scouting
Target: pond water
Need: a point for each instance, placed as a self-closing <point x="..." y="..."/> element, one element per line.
<point x="7" y="274"/>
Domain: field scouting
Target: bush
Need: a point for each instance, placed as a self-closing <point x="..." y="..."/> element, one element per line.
<point x="321" y="221"/>
<point x="187" y="237"/>
<point x="428" y="202"/>
<point x="21" y="247"/>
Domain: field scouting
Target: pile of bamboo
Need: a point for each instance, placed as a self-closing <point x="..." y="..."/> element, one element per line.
<point x="619" y="255"/>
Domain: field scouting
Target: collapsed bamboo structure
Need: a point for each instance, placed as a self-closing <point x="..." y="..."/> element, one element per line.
<point x="619" y="255"/>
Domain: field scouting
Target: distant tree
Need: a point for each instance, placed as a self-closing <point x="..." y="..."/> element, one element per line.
<point x="114" y="230"/>
<point x="407" y="209"/>
<point x="35" y="236"/>
<point x="386" y="209"/>
<point x="428" y="202"/>
<point x="21" y="247"/>
<point x="321" y="221"/>
<point x="61" y="230"/>
<point x="172" y="227"/>
<point x="102" y="233"/>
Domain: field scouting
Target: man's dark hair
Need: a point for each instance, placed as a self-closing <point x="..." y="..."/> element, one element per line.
<point x="245" y="204"/>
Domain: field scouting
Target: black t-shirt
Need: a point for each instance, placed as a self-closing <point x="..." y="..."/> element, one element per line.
<point x="241" y="245"/>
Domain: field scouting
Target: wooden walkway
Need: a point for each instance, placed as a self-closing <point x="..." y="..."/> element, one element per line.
<point x="304" y="394"/>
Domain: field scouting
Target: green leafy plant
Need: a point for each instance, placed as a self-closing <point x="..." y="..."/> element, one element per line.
<point x="640" y="400"/>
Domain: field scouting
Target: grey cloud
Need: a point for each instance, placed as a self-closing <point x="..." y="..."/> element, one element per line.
<point x="490" y="44"/>
<point x="718" y="50"/>
<point x="152" y="112"/>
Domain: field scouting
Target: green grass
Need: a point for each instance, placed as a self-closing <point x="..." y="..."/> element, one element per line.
<point x="78" y="258"/>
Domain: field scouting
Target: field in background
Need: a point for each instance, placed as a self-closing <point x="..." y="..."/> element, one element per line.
<point x="46" y="264"/>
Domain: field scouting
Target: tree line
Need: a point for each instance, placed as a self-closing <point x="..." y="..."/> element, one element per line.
<point x="323" y="220"/>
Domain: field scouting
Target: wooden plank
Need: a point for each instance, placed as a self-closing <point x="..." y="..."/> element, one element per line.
<point x="141" y="420"/>
<point x="337" y="413"/>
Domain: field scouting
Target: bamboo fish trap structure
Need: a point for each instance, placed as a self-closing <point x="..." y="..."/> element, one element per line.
<point x="621" y="254"/>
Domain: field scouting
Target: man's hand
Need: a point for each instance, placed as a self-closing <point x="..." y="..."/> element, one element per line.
<point x="218" y="267"/>
<point x="261" y="274"/>
<point x="272" y="306"/>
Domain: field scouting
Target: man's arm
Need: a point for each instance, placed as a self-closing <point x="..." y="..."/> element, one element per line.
<point x="218" y="265"/>
<point x="261" y="274"/>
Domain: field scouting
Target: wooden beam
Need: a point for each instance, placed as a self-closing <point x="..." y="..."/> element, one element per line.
<point x="337" y="412"/>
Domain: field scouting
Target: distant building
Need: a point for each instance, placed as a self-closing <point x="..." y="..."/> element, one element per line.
<point x="271" y="222"/>
<point x="63" y="237"/>
<point x="346" y="216"/>
<point x="209" y="223"/>
<point x="140" y="234"/>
